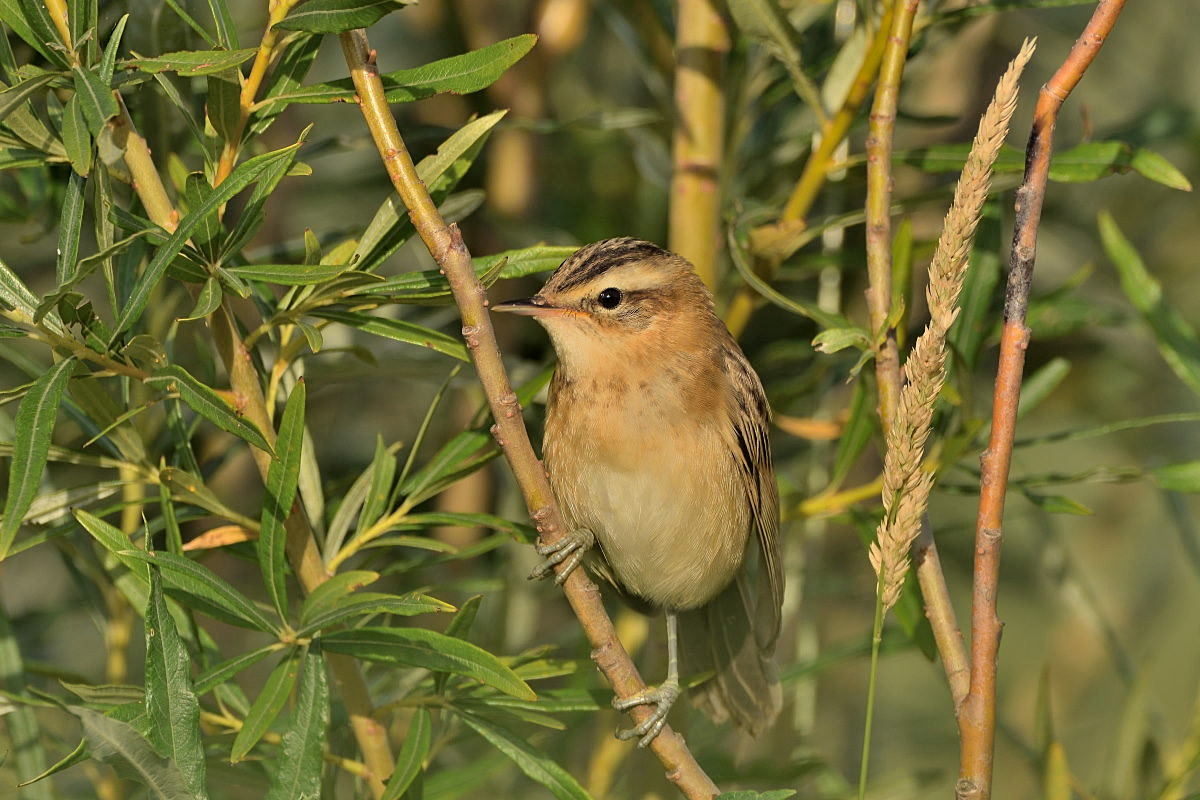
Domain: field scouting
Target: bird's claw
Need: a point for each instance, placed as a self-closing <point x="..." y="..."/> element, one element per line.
<point x="570" y="549"/>
<point x="662" y="698"/>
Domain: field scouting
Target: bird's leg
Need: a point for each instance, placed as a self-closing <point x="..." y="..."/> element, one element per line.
<point x="662" y="697"/>
<point x="571" y="548"/>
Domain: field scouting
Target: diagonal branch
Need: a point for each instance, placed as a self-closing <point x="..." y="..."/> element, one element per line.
<point x="445" y="244"/>
<point x="977" y="715"/>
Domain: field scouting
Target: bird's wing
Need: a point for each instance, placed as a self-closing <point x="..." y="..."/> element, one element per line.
<point x="751" y="417"/>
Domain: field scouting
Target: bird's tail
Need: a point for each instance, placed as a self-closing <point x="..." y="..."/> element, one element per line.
<point x="722" y="637"/>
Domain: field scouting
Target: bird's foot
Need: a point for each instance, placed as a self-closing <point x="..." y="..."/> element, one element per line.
<point x="662" y="697"/>
<point x="570" y="549"/>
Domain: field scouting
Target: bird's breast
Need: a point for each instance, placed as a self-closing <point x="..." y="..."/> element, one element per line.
<point x="649" y="471"/>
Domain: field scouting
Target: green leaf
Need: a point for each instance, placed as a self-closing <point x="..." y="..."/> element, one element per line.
<point x="383" y="473"/>
<point x="301" y="761"/>
<point x="765" y="21"/>
<point x="207" y="403"/>
<point x="198" y="580"/>
<point x="186" y="487"/>
<point x="70" y="223"/>
<point x="459" y="628"/>
<point x="834" y="339"/>
<point x="31" y="446"/>
<point x="240" y="178"/>
<point x="528" y="260"/>
<point x="15" y="96"/>
<point x="531" y="760"/>
<point x="338" y="16"/>
<point x="1183" y="477"/>
<point x="1085" y="162"/>
<point x="12" y="16"/>
<point x="1057" y="504"/>
<point x="266" y="706"/>
<point x="364" y="603"/>
<point x="76" y="138"/>
<point x="112" y="740"/>
<point x="223" y="103"/>
<point x="95" y="99"/>
<point x="23" y="745"/>
<point x="417" y="647"/>
<point x="440" y="172"/>
<point x="455" y="456"/>
<point x="170" y="700"/>
<point x="413" y="753"/>
<point x="108" y="62"/>
<point x="14" y="293"/>
<point x="218" y="674"/>
<point x="114" y="541"/>
<point x="462" y="74"/>
<point x="282" y="478"/>
<point x="207" y="301"/>
<point x="519" y="531"/>
<point x="333" y="591"/>
<point x="397" y="329"/>
<point x="190" y="63"/>
<point x="80" y="753"/>
<point x="1176" y="337"/>
<point x="289" y="274"/>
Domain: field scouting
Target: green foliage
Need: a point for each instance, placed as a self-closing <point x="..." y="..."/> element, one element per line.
<point x="382" y="532"/>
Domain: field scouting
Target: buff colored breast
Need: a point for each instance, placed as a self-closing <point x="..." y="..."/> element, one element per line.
<point x="660" y="497"/>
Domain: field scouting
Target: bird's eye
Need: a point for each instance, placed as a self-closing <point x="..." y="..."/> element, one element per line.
<point x="609" y="298"/>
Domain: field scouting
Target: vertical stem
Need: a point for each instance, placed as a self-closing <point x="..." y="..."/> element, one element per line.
<point x="445" y="244"/>
<point x="701" y="42"/>
<point x="876" y="640"/>
<point x="977" y="714"/>
<point x="880" y="132"/>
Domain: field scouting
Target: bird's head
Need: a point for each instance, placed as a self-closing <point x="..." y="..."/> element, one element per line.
<point x="620" y="299"/>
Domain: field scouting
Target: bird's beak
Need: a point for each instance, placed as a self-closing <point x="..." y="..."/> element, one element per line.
<point x="536" y="306"/>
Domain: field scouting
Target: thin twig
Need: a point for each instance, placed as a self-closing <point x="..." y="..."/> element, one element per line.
<point x="701" y="42"/>
<point x="977" y="714"/>
<point x="881" y="128"/>
<point x="446" y="246"/>
<point x="301" y="543"/>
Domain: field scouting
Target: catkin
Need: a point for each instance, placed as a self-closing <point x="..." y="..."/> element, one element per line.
<point x="906" y="485"/>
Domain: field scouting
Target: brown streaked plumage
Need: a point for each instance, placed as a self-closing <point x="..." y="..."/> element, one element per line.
<point x="656" y="446"/>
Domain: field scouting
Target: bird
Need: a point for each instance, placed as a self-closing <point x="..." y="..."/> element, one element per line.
<point x="657" y="451"/>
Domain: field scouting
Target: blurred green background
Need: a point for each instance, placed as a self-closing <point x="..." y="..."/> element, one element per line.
<point x="1100" y="605"/>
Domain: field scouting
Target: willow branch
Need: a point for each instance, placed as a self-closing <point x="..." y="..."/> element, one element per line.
<point x="446" y="246"/>
<point x="774" y="242"/>
<point x="880" y="133"/>
<point x="701" y="42"/>
<point x="278" y="9"/>
<point x="977" y="715"/>
<point x="243" y="379"/>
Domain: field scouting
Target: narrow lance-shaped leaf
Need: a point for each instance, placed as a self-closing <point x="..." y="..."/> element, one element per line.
<point x="218" y="674"/>
<point x="364" y="603"/>
<point x="190" y="63"/>
<point x="282" y="478"/>
<point x="418" y="647"/>
<point x="198" y="580"/>
<point x="112" y="740"/>
<point x="463" y="74"/>
<point x="23" y="745"/>
<point x="80" y="753"/>
<point x="76" y="138"/>
<point x="397" y="329"/>
<point x="95" y="98"/>
<point x="338" y="16"/>
<point x="14" y="96"/>
<point x="1176" y="337"/>
<point x="70" y="225"/>
<point x="240" y="178"/>
<point x="412" y="755"/>
<point x="267" y="705"/>
<point x="299" y="774"/>
<point x="170" y="699"/>
<point x="334" y="590"/>
<point x="531" y="760"/>
<point x="208" y="404"/>
<point x="31" y="446"/>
